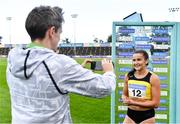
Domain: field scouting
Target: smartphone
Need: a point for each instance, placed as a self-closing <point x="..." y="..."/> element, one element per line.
<point x="96" y="65"/>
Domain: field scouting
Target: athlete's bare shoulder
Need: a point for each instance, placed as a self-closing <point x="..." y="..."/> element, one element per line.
<point x="154" y="77"/>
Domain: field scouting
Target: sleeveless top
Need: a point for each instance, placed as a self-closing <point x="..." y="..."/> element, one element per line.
<point x="139" y="87"/>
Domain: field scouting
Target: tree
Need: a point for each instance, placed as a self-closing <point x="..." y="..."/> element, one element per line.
<point x="109" y="39"/>
<point x="95" y="40"/>
<point x="66" y="40"/>
<point x="0" y="39"/>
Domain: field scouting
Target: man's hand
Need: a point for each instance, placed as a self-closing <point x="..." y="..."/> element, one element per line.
<point x="85" y="62"/>
<point x="107" y="65"/>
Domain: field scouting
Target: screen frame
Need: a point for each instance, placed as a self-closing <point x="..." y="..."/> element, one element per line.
<point x="174" y="71"/>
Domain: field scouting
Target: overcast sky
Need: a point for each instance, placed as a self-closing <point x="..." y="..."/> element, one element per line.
<point x="94" y="18"/>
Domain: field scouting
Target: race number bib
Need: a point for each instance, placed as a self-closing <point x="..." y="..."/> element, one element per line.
<point x="138" y="91"/>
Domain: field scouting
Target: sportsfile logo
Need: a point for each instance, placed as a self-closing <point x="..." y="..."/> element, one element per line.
<point x="121" y="84"/>
<point x="142" y="30"/>
<point x="160" y="62"/>
<point x="164" y="46"/>
<point x="164" y="93"/>
<point x="125" y="61"/>
<point x="126" y="30"/>
<point x="160" y="31"/>
<point x="123" y="108"/>
<point x="163" y="77"/>
<point x="162" y="101"/>
<point x="161" y="108"/>
<point x="120" y="92"/>
<point x="126" y="54"/>
<point x="143" y="46"/>
<point x="125" y="38"/>
<point x="121" y="76"/>
<point x="161" y="39"/>
<point x="163" y="70"/>
<point x="161" y="116"/>
<point x="164" y="86"/>
<point x="141" y="38"/>
<point x="125" y="69"/>
<point x="161" y="54"/>
<point x="126" y="46"/>
<point x="122" y="115"/>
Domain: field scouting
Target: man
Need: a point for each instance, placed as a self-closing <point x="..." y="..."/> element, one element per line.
<point x="40" y="79"/>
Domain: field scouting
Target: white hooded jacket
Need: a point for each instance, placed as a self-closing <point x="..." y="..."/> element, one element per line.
<point x="32" y="74"/>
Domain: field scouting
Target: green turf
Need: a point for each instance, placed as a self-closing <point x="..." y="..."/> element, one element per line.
<point x="5" y="111"/>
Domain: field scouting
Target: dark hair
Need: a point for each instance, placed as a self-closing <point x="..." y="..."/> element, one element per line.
<point x="146" y="57"/>
<point x="145" y="54"/>
<point x="41" y="18"/>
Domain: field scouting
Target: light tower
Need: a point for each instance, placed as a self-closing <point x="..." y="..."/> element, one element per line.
<point x="74" y="16"/>
<point x="9" y="19"/>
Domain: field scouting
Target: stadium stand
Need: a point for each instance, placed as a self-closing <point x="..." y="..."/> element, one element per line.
<point x="88" y="50"/>
<point x="4" y="51"/>
<point x="68" y="49"/>
<point x="81" y="51"/>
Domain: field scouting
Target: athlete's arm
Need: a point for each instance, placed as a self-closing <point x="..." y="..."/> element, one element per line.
<point x="125" y="90"/>
<point x="155" y="84"/>
<point x="154" y="102"/>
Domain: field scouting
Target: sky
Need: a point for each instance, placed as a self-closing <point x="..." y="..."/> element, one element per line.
<point x="94" y="20"/>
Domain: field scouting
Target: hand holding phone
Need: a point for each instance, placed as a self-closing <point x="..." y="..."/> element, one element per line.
<point x="104" y="65"/>
<point x="96" y="65"/>
<point x="85" y="62"/>
<point x="107" y="65"/>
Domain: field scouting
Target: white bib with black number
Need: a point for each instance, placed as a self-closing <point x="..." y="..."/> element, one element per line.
<point x="138" y="91"/>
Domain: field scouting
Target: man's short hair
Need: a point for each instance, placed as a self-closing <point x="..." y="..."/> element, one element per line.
<point x="41" y="18"/>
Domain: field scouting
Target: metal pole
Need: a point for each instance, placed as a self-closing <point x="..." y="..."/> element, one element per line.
<point x="9" y="19"/>
<point x="74" y="16"/>
<point x="113" y="56"/>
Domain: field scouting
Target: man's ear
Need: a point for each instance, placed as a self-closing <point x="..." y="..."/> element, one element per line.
<point x="51" y="31"/>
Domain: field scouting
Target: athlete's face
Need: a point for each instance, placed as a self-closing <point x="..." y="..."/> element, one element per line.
<point x="139" y="62"/>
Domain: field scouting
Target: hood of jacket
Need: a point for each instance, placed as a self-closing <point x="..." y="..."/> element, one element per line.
<point x="22" y="62"/>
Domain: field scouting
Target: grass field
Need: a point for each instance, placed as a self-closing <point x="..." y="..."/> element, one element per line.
<point x="5" y="115"/>
<point x="83" y="109"/>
